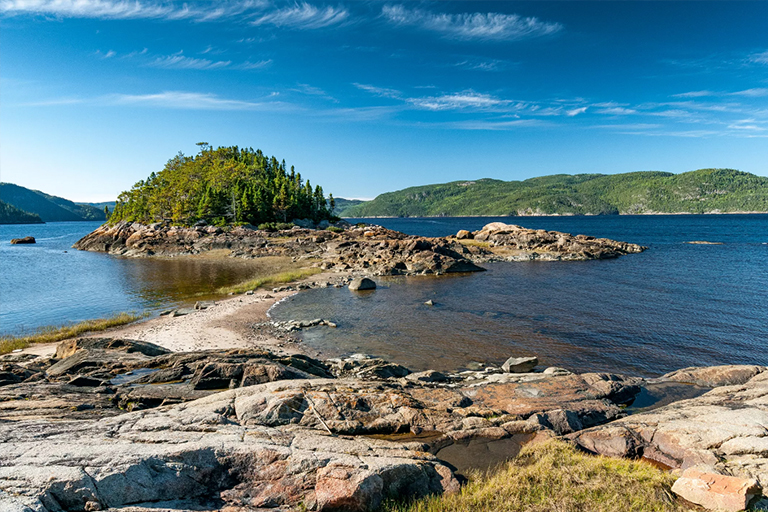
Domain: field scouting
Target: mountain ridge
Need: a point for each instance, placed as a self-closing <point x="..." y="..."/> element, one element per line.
<point x="643" y="192"/>
<point x="48" y="207"/>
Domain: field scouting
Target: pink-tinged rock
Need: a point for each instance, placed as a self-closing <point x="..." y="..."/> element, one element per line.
<point x="716" y="492"/>
<point x="342" y="488"/>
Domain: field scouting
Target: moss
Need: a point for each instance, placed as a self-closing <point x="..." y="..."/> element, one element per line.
<point x="50" y="334"/>
<point x="554" y="476"/>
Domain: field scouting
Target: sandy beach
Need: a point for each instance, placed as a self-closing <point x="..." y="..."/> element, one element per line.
<point x="224" y="324"/>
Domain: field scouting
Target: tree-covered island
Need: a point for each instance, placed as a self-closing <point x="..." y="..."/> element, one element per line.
<point x="223" y="186"/>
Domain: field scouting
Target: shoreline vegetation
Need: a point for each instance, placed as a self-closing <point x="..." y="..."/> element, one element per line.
<point x="56" y="333"/>
<point x="552" y="475"/>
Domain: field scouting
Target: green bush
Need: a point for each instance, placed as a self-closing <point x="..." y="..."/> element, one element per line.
<point x="275" y="226"/>
<point x="335" y="229"/>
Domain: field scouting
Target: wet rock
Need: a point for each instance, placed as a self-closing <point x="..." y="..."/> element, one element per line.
<point x="362" y="283"/>
<point x="616" y="388"/>
<point x="25" y="240"/>
<point x="716" y="492"/>
<point x="520" y="364"/>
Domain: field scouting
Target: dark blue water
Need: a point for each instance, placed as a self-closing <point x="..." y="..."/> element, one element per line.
<point x="49" y="283"/>
<point x="674" y="305"/>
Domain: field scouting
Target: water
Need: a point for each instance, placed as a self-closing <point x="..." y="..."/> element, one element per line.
<point x="675" y="305"/>
<point x="49" y="283"/>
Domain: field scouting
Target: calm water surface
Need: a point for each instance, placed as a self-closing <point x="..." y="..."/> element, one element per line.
<point x="49" y="283"/>
<point x="674" y="305"/>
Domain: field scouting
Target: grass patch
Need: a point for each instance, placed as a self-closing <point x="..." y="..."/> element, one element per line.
<point x="554" y="477"/>
<point x="271" y="279"/>
<point x="52" y="333"/>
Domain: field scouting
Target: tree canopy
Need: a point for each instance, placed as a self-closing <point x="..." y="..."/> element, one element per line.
<point x="221" y="186"/>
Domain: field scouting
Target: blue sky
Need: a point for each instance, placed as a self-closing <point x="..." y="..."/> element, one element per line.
<point x="368" y="97"/>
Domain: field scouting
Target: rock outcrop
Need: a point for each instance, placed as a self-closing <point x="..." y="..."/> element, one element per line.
<point x="723" y="431"/>
<point x="513" y="242"/>
<point x="25" y="240"/>
<point x="371" y="249"/>
<point x="117" y="423"/>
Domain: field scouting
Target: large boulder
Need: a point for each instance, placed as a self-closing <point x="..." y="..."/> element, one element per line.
<point x="362" y="283"/>
<point x="520" y="364"/>
<point x="713" y="376"/>
<point x="716" y="492"/>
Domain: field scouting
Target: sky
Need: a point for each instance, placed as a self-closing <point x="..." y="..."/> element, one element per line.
<point x="369" y="97"/>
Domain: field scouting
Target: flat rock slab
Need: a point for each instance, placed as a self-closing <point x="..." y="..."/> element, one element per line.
<point x="716" y="492"/>
<point x="724" y="430"/>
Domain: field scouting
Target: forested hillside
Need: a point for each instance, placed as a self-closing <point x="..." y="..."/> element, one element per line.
<point x="9" y="214"/>
<point x="223" y="186"/>
<point x="702" y="191"/>
<point x="49" y="208"/>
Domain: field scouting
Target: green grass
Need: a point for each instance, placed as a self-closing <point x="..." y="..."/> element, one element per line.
<point x="554" y="477"/>
<point x="270" y="280"/>
<point x="51" y="334"/>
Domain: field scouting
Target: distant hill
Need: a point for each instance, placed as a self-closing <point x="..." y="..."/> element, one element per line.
<point x="702" y="191"/>
<point x="100" y="206"/>
<point x="343" y="204"/>
<point x="49" y="208"/>
<point x="9" y="214"/>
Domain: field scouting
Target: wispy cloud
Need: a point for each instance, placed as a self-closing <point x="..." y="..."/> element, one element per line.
<point x="304" y="16"/>
<point x="128" y="9"/>
<point x="179" y="61"/>
<point x="480" y="26"/>
<point x="462" y="100"/>
<point x="752" y="93"/>
<point x="186" y="100"/>
<point x="575" y="111"/>
<point x="313" y="91"/>
<point x="483" y="64"/>
<point x="694" y="94"/>
<point x="760" y="58"/>
<point x="248" y="65"/>
<point x="454" y="101"/>
<point x="382" y="92"/>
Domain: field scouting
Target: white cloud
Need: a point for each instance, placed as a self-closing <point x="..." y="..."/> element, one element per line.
<point x="760" y="58"/>
<point x="482" y="26"/>
<point x="483" y="65"/>
<point x="247" y="65"/>
<point x="129" y="9"/>
<point x="575" y="111"/>
<point x="380" y="91"/>
<point x="694" y="94"/>
<point x="184" y="100"/>
<point x="752" y="93"/>
<point x="304" y="16"/>
<point x="462" y="100"/>
<point x="179" y="61"/>
<point x="616" y="111"/>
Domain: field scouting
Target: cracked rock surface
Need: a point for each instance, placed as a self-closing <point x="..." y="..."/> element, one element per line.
<point x="128" y="426"/>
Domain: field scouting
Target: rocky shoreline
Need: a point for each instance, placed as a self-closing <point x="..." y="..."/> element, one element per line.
<point x="216" y="409"/>
<point x="109" y="423"/>
<point x="371" y="249"/>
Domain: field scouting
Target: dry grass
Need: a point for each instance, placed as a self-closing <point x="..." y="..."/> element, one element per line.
<point x="554" y="477"/>
<point x="52" y="334"/>
<point x="288" y="276"/>
<point x="475" y="243"/>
